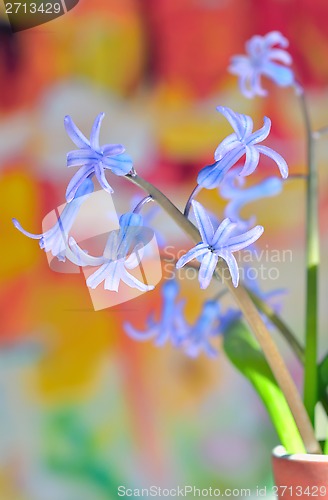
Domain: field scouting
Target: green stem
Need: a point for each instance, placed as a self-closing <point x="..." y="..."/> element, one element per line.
<point x="251" y="315"/>
<point x="312" y="264"/>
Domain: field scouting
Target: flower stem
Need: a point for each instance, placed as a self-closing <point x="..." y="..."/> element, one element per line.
<point x="251" y="315"/>
<point x="194" y="193"/>
<point x="312" y="264"/>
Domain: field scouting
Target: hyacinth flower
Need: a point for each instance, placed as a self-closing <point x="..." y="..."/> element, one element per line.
<point x="123" y="251"/>
<point x="55" y="239"/>
<point x="232" y="189"/>
<point x="171" y="326"/>
<point x="242" y="142"/>
<point x="217" y="243"/>
<point x="263" y="59"/>
<point x="197" y="337"/>
<point x="93" y="158"/>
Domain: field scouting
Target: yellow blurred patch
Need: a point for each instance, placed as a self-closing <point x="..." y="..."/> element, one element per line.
<point x="18" y="199"/>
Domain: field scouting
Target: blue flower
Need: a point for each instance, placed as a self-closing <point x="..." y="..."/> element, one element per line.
<point x="123" y="251"/>
<point x="232" y="189"/>
<point x="197" y="338"/>
<point x="94" y="158"/>
<point x="242" y="142"/>
<point x="263" y="60"/>
<point x="217" y="243"/>
<point x="171" y="326"/>
<point x="55" y="239"/>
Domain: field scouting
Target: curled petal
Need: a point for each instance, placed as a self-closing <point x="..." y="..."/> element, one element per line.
<point x="234" y="120"/>
<point x="226" y="145"/>
<point x="83" y="257"/>
<point x="74" y="133"/>
<point x="281" y="56"/>
<point x="275" y="38"/>
<point x="260" y="134"/>
<point x="135" y="257"/>
<point x="133" y="282"/>
<point x="282" y="165"/>
<point x="252" y="161"/>
<point x="114" y="275"/>
<point x="135" y="334"/>
<point x="27" y="233"/>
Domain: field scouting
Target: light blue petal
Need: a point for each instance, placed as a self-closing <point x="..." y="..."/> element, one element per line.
<point x="114" y="275"/>
<point x="139" y="335"/>
<point x="77" y="180"/>
<point x="281" y="56"/>
<point x="203" y="222"/>
<point x="99" y="276"/>
<point x="252" y="161"/>
<point x="225" y="146"/>
<point x="27" y="233"/>
<point x="100" y="174"/>
<point x="196" y="251"/>
<point x="207" y="269"/>
<point x="75" y="134"/>
<point x="223" y="232"/>
<point x="260" y="134"/>
<point x="110" y="251"/>
<point x="282" y="165"/>
<point x="81" y="157"/>
<point x="211" y="176"/>
<point x="84" y="258"/>
<point x="279" y="74"/>
<point x="275" y="38"/>
<point x="232" y="265"/>
<point x="133" y="282"/>
<point x="135" y="257"/>
<point x="234" y="120"/>
<point x="119" y="165"/>
<point x="95" y="131"/>
<point x="236" y="243"/>
<point x="112" y="149"/>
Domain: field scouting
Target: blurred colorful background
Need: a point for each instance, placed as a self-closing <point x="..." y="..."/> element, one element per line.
<point x="83" y="408"/>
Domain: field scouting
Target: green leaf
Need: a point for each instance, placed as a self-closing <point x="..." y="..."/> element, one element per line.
<point x="245" y="354"/>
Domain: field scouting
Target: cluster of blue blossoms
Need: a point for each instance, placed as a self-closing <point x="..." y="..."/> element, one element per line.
<point x="236" y="157"/>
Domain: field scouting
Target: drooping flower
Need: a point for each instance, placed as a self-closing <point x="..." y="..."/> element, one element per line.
<point x="171" y="325"/>
<point x="217" y="243"/>
<point x="93" y="158"/>
<point x="123" y="251"/>
<point x="232" y="189"/>
<point x="197" y="338"/>
<point x="263" y="59"/>
<point x="55" y="239"/>
<point x="242" y="142"/>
